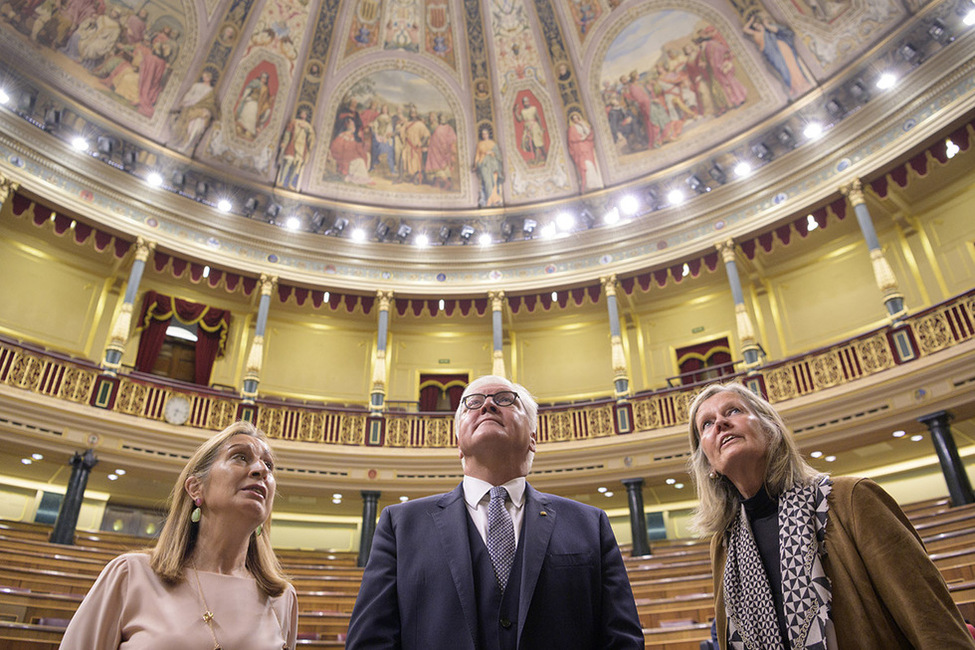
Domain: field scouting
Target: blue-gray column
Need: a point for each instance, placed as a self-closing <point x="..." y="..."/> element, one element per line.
<point x="377" y="394"/>
<point x="255" y="359"/>
<point x="959" y="487"/>
<point x="120" y="329"/>
<point x="370" y="504"/>
<point x="884" y="275"/>
<point x="750" y="349"/>
<point x="638" y="519"/>
<point x="497" y="333"/>
<point x="67" y="521"/>
<point x="621" y="371"/>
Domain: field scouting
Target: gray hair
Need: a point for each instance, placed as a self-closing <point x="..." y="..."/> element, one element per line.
<point x="525" y="397"/>
<point x="718" y="499"/>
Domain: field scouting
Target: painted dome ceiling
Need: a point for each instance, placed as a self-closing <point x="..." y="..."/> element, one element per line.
<point x="439" y="104"/>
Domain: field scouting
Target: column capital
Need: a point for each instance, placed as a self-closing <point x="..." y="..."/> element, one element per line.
<point x="938" y="418"/>
<point x="497" y="299"/>
<point x="727" y="250"/>
<point x="6" y="187"/>
<point x="385" y="297"/>
<point x="608" y="283"/>
<point x="268" y="282"/>
<point x="854" y="192"/>
<point x="143" y="249"/>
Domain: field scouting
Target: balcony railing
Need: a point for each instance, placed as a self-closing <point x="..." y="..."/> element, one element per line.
<point x="40" y="371"/>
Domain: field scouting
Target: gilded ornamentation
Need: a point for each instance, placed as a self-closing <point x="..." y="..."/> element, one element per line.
<point x="270" y="421"/>
<point x="826" y="371"/>
<point x="874" y="354"/>
<point x="854" y="192"/>
<point x="385" y="299"/>
<point x="221" y="414"/>
<point x="560" y="425"/>
<point x="682" y="405"/>
<point x="351" y="429"/>
<point x="497" y="300"/>
<point x="25" y="370"/>
<point x="781" y="384"/>
<point x="727" y="250"/>
<point x="646" y="414"/>
<point x="7" y="186"/>
<point x="932" y="333"/>
<point x="600" y="421"/>
<point x="76" y="384"/>
<point x="131" y="398"/>
<point x="608" y="283"/>
<point x="312" y="427"/>
<point x="438" y="432"/>
<point x="398" y="432"/>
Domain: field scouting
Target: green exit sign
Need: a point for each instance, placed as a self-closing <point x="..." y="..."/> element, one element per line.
<point x="697" y="330"/>
<point x="443" y="362"/>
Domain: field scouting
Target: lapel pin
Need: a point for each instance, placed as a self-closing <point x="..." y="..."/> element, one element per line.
<point x="543" y="513"/>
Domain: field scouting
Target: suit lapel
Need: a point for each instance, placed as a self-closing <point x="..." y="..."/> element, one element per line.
<point x="450" y="519"/>
<point x="539" y="523"/>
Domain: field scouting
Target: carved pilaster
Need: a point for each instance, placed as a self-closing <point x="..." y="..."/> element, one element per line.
<point x="854" y="192"/>
<point x="267" y="282"/>
<point x="385" y="299"/>
<point x="608" y="283"/>
<point x="727" y="250"/>
<point x="497" y="300"/>
<point x="143" y="249"/>
<point x="7" y="187"/>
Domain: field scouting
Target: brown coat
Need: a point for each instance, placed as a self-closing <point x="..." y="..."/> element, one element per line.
<point x="886" y="591"/>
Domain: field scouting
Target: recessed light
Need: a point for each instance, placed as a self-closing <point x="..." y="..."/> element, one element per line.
<point x="37" y="456"/>
<point x="336" y="501"/>
<point x="358" y="234"/>
<point x="224" y="205"/>
<point x="675" y="197"/>
<point x="816" y="454"/>
<point x="26" y="461"/>
<point x="484" y="239"/>
<point x="742" y="169"/>
<point x="79" y="143"/>
<point x="422" y="241"/>
<point x="4" y="97"/>
<point x="830" y="459"/>
<point x="548" y="230"/>
<point x="813" y="130"/>
<point x="601" y="489"/>
<point x="337" y="495"/>
<point x="900" y="433"/>
<point x="629" y="204"/>
<point x="886" y="81"/>
<point x="404" y="498"/>
<point x="120" y="472"/>
<point x="564" y="220"/>
<point x="607" y="494"/>
<point x="612" y="217"/>
<point x="679" y="486"/>
<point x="113" y="477"/>
<point x="292" y="223"/>
<point x="154" y="179"/>
<point x="917" y="437"/>
<point x="671" y="481"/>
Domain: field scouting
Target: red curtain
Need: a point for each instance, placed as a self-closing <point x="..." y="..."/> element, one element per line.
<point x="429" y="395"/>
<point x="432" y="386"/>
<point x="212" y="325"/>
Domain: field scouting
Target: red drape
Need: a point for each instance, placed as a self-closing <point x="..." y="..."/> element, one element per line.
<point x="433" y="385"/>
<point x="212" y="325"/>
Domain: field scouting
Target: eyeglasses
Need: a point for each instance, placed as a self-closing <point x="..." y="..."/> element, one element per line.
<point x="501" y="398"/>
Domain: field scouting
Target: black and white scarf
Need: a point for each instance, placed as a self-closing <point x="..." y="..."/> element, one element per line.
<point x="752" y="623"/>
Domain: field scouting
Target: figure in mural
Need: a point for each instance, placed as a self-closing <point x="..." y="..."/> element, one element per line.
<point x="155" y="66"/>
<point x="296" y="143"/>
<point x="490" y="172"/>
<point x="254" y="107"/>
<point x="351" y="156"/>
<point x="533" y="133"/>
<point x="197" y="110"/>
<point x="582" y="149"/>
<point x="721" y="67"/>
<point x="415" y="136"/>
<point x="698" y="78"/>
<point x="442" y="154"/>
<point x="777" y="44"/>
<point x="382" y="141"/>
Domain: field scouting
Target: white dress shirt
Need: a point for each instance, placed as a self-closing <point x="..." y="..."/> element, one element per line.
<point x="477" y="496"/>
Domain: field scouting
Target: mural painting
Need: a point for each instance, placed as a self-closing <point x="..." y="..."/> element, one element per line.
<point x="489" y="168"/>
<point x="777" y="43"/>
<point x="364" y="31"/>
<point x="124" y="50"/>
<point x="195" y="112"/>
<point x="666" y="75"/>
<point x="584" y="14"/>
<point x="401" y="30"/>
<point x="439" y="38"/>
<point x="280" y="30"/>
<point x="254" y="105"/>
<point x="296" y="144"/>
<point x="516" y="52"/>
<point x="582" y="150"/>
<point x="392" y="132"/>
<point x="531" y="130"/>
<point x="825" y="10"/>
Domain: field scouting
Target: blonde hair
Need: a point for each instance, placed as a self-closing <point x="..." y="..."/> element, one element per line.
<point x="178" y="537"/>
<point x="718" y="499"/>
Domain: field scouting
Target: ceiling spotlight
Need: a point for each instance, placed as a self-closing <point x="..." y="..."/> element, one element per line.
<point x="178" y="179"/>
<point x="444" y="234"/>
<point x="4" y="97"/>
<point x="422" y="240"/>
<point x="548" y="231"/>
<point x="272" y="211"/>
<point x="762" y="152"/>
<point x="813" y="130"/>
<point x="403" y="232"/>
<point x="201" y="190"/>
<point x="316" y="222"/>
<point x="607" y="494"/>
<point x="696" y="184"/>
<point x="670" y="481"/>
<point x="129" y="159"/>
<point x="900" y="433"/>
<point x="612" y="216"/>
<point x="105" y="145"/>
<point x="629" y="204"/>
<point x="743" y="169"/>
<point x="886" y="81"/>
<point x="154" y="179"/>
<point x="292" y="223"/>
<point x="830" y="459"/>
<point x="816" y="454"/>
<point x="120" y="472"/>
<point x="835" y="109"/>
<point x="484" y="239"/>
<point x="811" y="223"/>
<point x="466" y="232"/>
<point x="679" y="486"/>
<point x="382" y="229"/>
<point x="404" y="499"/>
<point x="859" y="91"/>
<point x="951" y="149"/>
<point x="717" y="173"/>
<point x="337" y="227"/>
<point x="917" y="437"/>
<point x="528" y="227"/>
<point x="79" y="143"/>
<point x="250" y="206"/>
<point x="785" y="138"/>
<point x="37" y="456"/>
<point x="112" y="477"/>
<point x="938" y="32"/>
<point x="564" y="220"/>
<point x="26" y="461"/>
<point x="969" y="19"/>
<point x="675" y="197"/>
<point x="52" y="118"/>
<point x="358" y="235"/>
<point x="909" y="53"/>
<point x="601" y="490"/>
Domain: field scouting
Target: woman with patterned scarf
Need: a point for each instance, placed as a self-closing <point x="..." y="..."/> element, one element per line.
<point x="802" y="560"/>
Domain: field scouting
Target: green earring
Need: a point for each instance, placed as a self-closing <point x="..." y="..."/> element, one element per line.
<point x="259" y="530"/>
<point x="196" y="514"/>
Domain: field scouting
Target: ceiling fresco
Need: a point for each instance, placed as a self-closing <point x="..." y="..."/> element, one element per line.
<point x="439" y="104"/>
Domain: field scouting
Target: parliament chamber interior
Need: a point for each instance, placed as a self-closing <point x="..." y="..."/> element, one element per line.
<point x="326" y="218"/>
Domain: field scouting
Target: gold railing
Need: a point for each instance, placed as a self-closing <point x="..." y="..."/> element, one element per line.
<point x="943" y="326"/>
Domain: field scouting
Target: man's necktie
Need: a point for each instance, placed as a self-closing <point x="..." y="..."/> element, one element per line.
<point x="500" y="536"/>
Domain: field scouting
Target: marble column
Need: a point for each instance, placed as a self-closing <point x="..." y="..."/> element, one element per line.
<point x="883" y="274"/>
<point x="959" y="487"/>
<point x="67" y="521"/>
<point x="638" y="519"/>
<point x="377" y="394"/>
<point x="370" y="506"/>
<point x="497" y="304"/>
<point x="123" y="322"/>
<point x="621" y="371"/>
<point x="255" y="358"/>
<point x="750" y="348"/>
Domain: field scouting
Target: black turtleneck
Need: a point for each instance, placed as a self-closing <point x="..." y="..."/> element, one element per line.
<point x="763" y="515"/>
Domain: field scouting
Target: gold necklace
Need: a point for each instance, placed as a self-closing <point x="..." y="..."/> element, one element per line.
<point x="208" y="615"/>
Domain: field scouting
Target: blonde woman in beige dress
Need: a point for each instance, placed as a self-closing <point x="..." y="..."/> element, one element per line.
<point x="212" y="581"/>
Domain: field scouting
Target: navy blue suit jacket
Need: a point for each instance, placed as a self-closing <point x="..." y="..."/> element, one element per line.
<point x="418" y="589"/>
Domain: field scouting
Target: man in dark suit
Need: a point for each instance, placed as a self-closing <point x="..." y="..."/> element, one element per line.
<point x="487" y="568"/>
